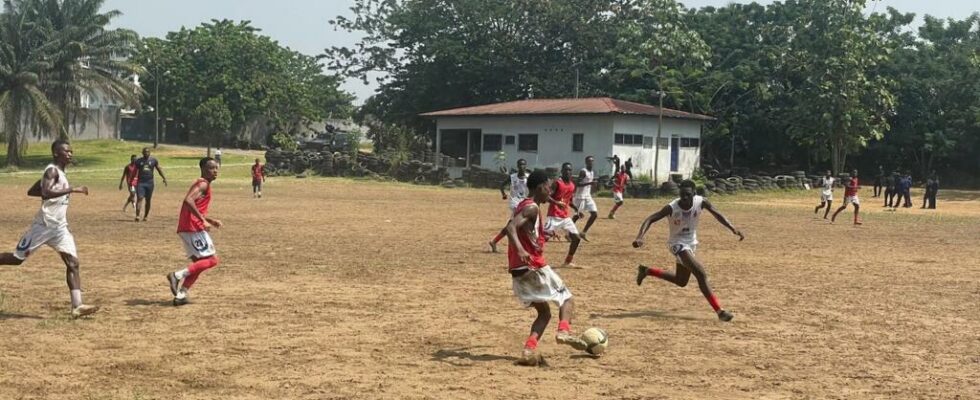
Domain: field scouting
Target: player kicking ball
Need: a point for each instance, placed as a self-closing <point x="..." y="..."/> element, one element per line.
<point x="683" y="215"/>
<point x="192" y="227"/>
<point x="535" y="284"/>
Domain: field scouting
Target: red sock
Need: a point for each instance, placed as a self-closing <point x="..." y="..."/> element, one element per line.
<point x="655" y="272"/>
<point x="498" y="237"/>
<point x="564" y="326"/>
<point x="615" y="207"/>
<point x="197" y="267"/>
<point x="568" y="259"/>
<point x="713" y="300"/>
<point x="531" y="342"/>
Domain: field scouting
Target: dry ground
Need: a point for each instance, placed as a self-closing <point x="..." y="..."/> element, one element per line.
<point x="332" y="288"/>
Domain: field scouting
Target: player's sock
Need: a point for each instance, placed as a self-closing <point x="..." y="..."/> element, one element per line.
<point x="76" y="297"/>
<point x="181" y="274"/>
<point x="657" y="272"/>
<point x="713" y="300"/>
<point x="568" y="259"/>
<point x="531" y="342"/>
<point x="202" y="265"/>
<point x="498" y="237"/>
<point x="564" y="326"/>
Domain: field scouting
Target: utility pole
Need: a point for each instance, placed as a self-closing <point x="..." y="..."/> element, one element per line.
<point x="156" y="109"/>
<point x="731" y="159"/>
<point x="656" y="145"/>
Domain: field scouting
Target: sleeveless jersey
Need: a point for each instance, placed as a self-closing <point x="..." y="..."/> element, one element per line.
<point x="563" y="194"/>
<point x="684" y="223"/>
<point x="531" y="242"/>
<point x="848" y="192"/>
<point x="619" y="181"/>
<point x="828" y="186"/>
<point x="585" y="190"/>
<point x="187" y="221"/>
<point x="54" y="212"/>
<point x="518" y="186"/>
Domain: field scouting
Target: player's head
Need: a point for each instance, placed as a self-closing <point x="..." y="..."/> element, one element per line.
<point x="146" y="152"/>
<point x="854" y="173"/>
<point x="257" y="161"/>
<point x="521" y="165"/>
<point x="538" y="184"/>
<point x="61" y="151"/>
<point x="687" y="187"/>
<point x="566" y="171"/>
<point x="588" y="162"/>
<point x="132" y="158"/>
<point x="209" y="168"/>
<point x="827" y="173"/>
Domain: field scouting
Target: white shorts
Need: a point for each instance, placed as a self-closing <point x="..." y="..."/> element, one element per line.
<point x="677" y="248"/>
<point x="197" y="244"/>
<point x="540" y="286"/>
<point x="585" y="204"/>
<point x="555" y="223"/>
<point x="132" y="188"/>
<point x="617" y="197"/>
<point x="826" y="197"/>
<point x="852" y="199"/>
<point x="60" y="239"/>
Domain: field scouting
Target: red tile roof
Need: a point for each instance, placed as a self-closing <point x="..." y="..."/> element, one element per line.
<point x="591" y="105"/>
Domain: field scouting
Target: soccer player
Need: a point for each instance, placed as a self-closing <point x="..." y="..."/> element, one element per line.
<point x="192" y="227"/>
<point x="683" y="214"/>
<point x="827" y="194"/>
<point x="144" y="186"/>
<point x="558" y="203"/>
<point x="258" y="176"/>
<point x="50" y="225"/>
<point x="217" y="155"/>
<point x="851" y="188"/>
<point x="535" y="284"/>
<point x="130" y="176"/>
<point x="620" y="178"/>
<point x="518" y="191"/>
<point x="583" y="196"/>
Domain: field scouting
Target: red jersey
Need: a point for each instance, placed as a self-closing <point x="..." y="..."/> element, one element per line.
<point x="563" y="193"/>
<point x="532" y="245"/>
<point x="851" y="191"/>
<point x="188" y="222"/>
<point x="257" y="172"/>
<point x="619" y="181"/>
<point x="132" y="174"/>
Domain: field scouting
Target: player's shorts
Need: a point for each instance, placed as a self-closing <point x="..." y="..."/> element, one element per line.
<point x="824" y="197"/>
<point x="852" y="199"/>
<point x="617" y="197"/>
<point x="197" y="244"/>
<point x="585" y="204"/>
<point x="539" y="286"/>
<point x="38" y="235"/>
<point x="144" y="190"/>
<point x="555" y="223"/>
<point x="257" y="183"/>
<point x="513" y="204"/>
<point x="132" y="188"/>
<point x="677" y="248"/>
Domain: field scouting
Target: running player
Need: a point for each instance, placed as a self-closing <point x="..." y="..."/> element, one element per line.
<point x="50" y="225"/>
<point x="258" y="176"/>
<point x="683" y="215"/>
<point x="620" y="178"/>
<point x="518" y="191"/>
<point x="558" y="203"/>
<point x="144" y="187"/>
<point x="826" y="195"/>
<point x="192" y="227"/>
<point x="130" y="176"/>
<point x="583" y="196"/>
<point x="535" y="284"/>
<point x="850" y="197"/>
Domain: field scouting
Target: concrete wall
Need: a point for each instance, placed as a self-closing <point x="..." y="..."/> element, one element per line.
<point x="102" y="123"/>
<point x="643" y="159"/>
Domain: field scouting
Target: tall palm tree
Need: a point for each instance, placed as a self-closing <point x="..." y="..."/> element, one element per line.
<point x="24" y="107"/>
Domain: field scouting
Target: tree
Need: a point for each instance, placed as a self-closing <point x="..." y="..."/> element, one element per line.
<point x="212" y="119"/>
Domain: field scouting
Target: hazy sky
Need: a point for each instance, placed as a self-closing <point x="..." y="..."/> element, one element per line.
<point x="302" y="24"/>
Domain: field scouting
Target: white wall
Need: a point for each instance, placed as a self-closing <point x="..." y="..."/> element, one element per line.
<point x="643" y="159"/>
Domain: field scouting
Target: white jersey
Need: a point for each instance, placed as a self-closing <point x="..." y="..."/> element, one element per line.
<point x="684" y="224"/>
<point x="584" y="188"/>
<point x="518" y="186"/>
<point x="53" y="212"/>
<point x="828" y="186"/>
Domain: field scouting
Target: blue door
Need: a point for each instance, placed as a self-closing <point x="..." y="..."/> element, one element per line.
<point x="674" y="153"/>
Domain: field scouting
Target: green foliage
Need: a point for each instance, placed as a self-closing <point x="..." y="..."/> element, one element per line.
<point x="284" y="141"/>
<point x="211" y="118"/>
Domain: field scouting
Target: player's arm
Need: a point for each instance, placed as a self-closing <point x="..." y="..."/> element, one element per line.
<point x="581" y="178"/>
<point x="647" y="223"/>
<point x="196" y="192"/>
<point x="721" y="219"/>
<point x="47" y="186"/>
<point x="160" y="170"/>
<point x="552" y="200"/>
<point x="503" y="185"/>
<point x="124" y="177"/>
<point x="527" y="216"/>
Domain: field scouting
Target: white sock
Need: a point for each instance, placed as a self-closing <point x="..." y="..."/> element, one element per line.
<point x="76" y="298"/>
<point x="182" y="293"/>
<point x="182" y="273"/>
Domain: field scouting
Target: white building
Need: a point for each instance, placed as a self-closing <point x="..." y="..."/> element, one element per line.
<point x="548" y="132"/>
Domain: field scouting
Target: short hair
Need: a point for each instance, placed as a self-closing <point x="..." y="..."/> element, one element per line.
<point x="58" y="143"/>
<point x="687" y="183"/>
<point x="133" y="156"/>
<point x="536" y="178"/>
<point x="204" y="161"/>
<point x="564" y="164"/>
<point x="521" y="160"/>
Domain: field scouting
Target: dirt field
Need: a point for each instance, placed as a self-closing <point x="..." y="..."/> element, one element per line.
<point x="335" y="289"/>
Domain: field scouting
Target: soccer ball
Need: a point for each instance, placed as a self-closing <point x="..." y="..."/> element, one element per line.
<point x="596" y="341"/>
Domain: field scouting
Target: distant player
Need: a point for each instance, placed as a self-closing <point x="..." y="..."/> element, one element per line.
<point x="130" y="177"/>
<point x="583" y="196"/>
<point x="851" y="188"/>
<point x="683" y="215"/>
<point x="620" y="178"/>
<point x="144" y="186"/>
<point x="192" y="227"/>
<point x="50" y="225"/>
<point x="827" y="194"/>
<point x="535" y="284"/>
<point x="217" y="155"/>
<point x="258" y="176"/>
<point x="518" y="191"/>
<point x="559" y="202"/>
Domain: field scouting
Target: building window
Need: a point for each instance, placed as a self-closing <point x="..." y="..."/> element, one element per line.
<point x="690" y="142"/>
<point x="492" y="142"/>
<point x="648" y="142"/>
<point x="509" y="139"/>
<point x="527" y="142"/>
<point x="662" y="143"/>
<point x="628" y="139"/>
<point x="578" y="142"/>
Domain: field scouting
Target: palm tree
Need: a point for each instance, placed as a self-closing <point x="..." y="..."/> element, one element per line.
<point x="24" y="106"/>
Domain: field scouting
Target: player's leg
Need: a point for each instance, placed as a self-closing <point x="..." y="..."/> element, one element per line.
<point x="530" y="356"/>
<point x="10" y="259"/>
<point x="149" y="201"/>
<point x="839" y="209"/>
<point x="692" y="264"/>
<point x="585" y="231"/>
<point x="572" y="248"/>
<point x="618" y="200"/>
<point x="74" y="280"/>
<point x="827" y="211"/>
<point x="822" y="204"/>
<point x="140" y="198"/>
<point x="679" y="277"/>
<point x="857" y="210"/>
<point x="496" y="239"/>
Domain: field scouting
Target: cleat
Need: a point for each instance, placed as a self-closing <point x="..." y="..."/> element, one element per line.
<point x="83" y="310"/>
<point x="642" y="272"/>
<point x="179" y="301"/>
<point x="568" y="265"/>
<point x="493" y="246"/>
<point x="530" y="358"/>
<point x="858" y="223"/>
<point x="174" y="283"/>
<point x="566" y="337"/>
<point x="137" y="219"/>
<point x="583" y="237"/>
<point x="611" y="216"/>
<point x="725" y="316"/>
<point x="144" y="219"/>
